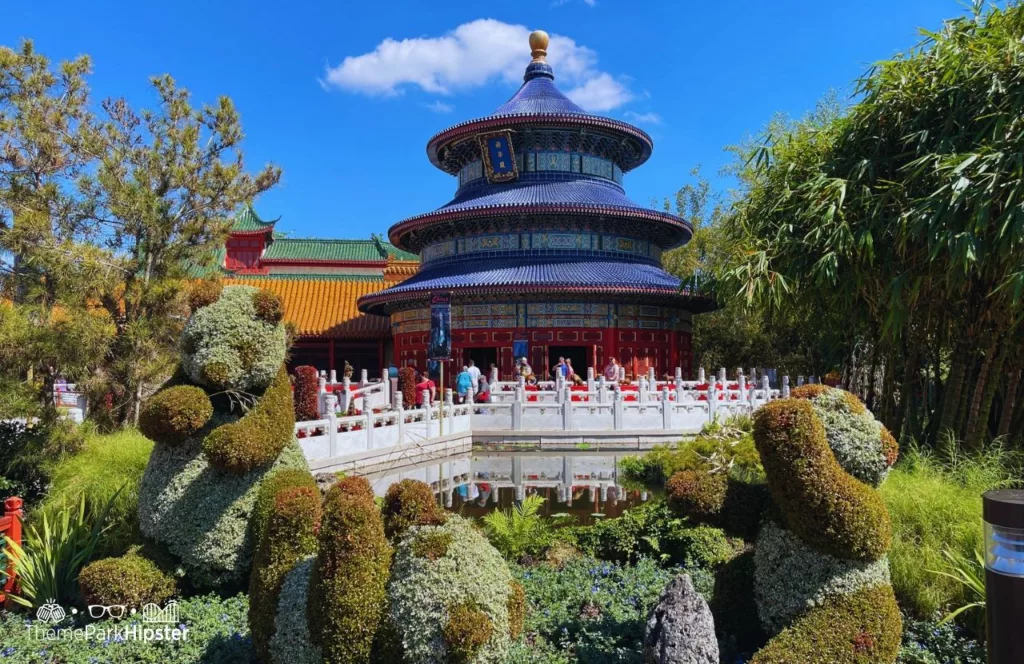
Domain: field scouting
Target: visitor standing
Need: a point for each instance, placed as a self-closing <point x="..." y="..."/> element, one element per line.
<point x="569" y="372"/>
<point x="611" y="371"/>
<point x="474" y="372"/>
<point x="425" y="384"/>
<point x="463" y="382"/>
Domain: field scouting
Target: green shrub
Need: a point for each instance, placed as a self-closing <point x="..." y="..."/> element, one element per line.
<point x="697" y="494"/>
<point x="863" y="447"/>
<point x="409" y="503"/>
<point x="131" y="580"/>
<point x="287" y="535"/>
<point x="107" y="469"/>
<point x="792" y="579"/>
<point x="828" y="509"/>
<point x="424" y="592"/>
<point x="200" y="514"/>
<point x="860" y="628"/>
<point x="593" y="611"/>
<point x="259" y="436"/>
<point x="217" y="633"/>
<point x="204" y="293"/>
<point x="432" y="545"/>
<point x="934" y="642"/>
<point x="935" y="504"/>
<point x="291" y="642"/>
<point x="732" y="603"/>
<point x="516" y="610"/>
<point x="467" y="631"/>
<point x="52" y="553"/>
<point x="717" y="448"/>
<point x="24" y="470"/>
<point x="268" y="306"/>
<point x="520" y="530"/>
<point x="266" y="497"/>
<point x="175" y="414"/>
<point x="347" y="592"/>
<point x="227" y="346"/>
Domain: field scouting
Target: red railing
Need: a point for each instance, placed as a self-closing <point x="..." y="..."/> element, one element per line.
<point x="10" y="525"/>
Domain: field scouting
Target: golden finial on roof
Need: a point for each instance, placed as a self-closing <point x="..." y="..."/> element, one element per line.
<point x="539" y="45"/>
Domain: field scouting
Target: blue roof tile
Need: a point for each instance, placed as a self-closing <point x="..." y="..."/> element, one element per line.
<point x="538" y="95"/>
<point x="533" y="190"/>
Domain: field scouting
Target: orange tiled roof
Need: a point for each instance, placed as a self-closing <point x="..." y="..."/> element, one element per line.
<point x="324" y="306"/>
<point x="399" y="270"/>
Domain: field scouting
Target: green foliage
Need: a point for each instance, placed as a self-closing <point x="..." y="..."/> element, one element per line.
<point x="432" y="545"/>
<point x="53" y="552"/>
<point x="516" y="610"/>
<point x="130" y="580"/>
<point x="932" y="642"/>
<point x="792" y="578"/>
<point x="287" y="535"/>
<point x="855" y="436"/>
<point x="201" y="514"/>
<point x="824" y="506"/>
<point x="291" y="642"/>
<point x="347" y="595"/>
<point x="652" y="530"/>
<point x="227" y="346"/>
<point x="107" y="469"/>
<point x="259" y="436"/>
<point x="935" y="503"/>
<point x="860" y="628"/>
<point x="969" y="573"/>
<point x="520" y="530"/>
<point x="23" y="468"/>
<point x="697" y="494"/>
<point x="736" y="620"/>
<point x="217" y="634"/>
<point x="467" y="631"/>
<point x="172" y="415"/>
<point x="204" y="293"/>
<point x="409" y="503"/>
<point x="593" y="611"/>
<point x="268" y="306"/>
<point x="423" y="592"/>
<point x="266" y="497"/>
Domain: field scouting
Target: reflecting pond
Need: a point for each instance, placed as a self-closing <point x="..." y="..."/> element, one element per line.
<point x="478" y="482"/>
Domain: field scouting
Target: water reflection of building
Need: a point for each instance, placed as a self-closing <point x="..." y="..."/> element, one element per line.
<point x="579" y="483"/>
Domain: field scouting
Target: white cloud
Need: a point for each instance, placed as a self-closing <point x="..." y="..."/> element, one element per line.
<point x="471" y="55"/>
<point x="439" y="106"/>
<point x="601" y="93"/>
<point x="643" y="118"/>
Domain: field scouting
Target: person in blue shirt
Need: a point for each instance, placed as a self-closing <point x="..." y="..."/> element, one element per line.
<point x="462" y="383"/>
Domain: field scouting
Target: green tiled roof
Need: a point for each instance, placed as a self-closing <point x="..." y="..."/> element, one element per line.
<point x="247" y="221"/>
<point x="318" y="249"/>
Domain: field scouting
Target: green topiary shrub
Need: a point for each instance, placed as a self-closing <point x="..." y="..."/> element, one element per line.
<point x="131" y="580"/>
<point x="287" y="536"/>
<point x="424" y="593"/>
<point x="697" y="494"/>
<point x="204" y="293"/>
<point x="467" y="632"/>
<point x="516" y="610"/>
<point x="268" y="306"/>
<point x="736" y="620"/>
<point x="201" y="514"/>
<point x="275" y="482"/>
<point x="226" y="345"/>
<point x="306" y="394"/>
<point x="347" y="595"/>
<point x="172" y="415"/>
<point x="291" y="642"/>
<point x="409" y="503"/>
<point x="823" y="505"/>
<point x="860" y="628"/>
<point x="862" y="446"/>
<point x="259" y="436"/>
<point x="792" y="579"/>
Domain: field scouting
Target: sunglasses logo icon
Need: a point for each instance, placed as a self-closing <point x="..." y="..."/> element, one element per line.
<point x="115" y="611"/>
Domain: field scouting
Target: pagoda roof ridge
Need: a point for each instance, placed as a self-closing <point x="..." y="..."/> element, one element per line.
<point x="248" y="222"/>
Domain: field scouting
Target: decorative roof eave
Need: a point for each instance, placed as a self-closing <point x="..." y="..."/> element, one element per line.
<point x="469" y="128"/>
<point x="247" y="217"/>
<point x="259" y="231"/>
<point x="383" y="302"/>
<point x="323" y="262"/>
<point x="398" y="233"/>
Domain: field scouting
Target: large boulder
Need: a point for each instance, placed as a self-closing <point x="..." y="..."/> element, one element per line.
<point x="680" y="629"/>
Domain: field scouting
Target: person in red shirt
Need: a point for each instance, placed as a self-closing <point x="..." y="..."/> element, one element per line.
<point x="425" y="384"/>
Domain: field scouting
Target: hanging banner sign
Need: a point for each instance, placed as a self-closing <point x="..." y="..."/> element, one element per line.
<point x="440" y="347"/>
<point x="499" y="157"/>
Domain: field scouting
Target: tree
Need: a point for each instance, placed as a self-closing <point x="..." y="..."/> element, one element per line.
<point x="901" y="218"/>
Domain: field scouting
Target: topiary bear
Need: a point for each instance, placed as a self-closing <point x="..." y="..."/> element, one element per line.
<point x="821" y="576"/>
<point x="222" y="425"/>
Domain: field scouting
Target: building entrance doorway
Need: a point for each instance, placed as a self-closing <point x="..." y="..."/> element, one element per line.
<point x="482" y="357"/>
<point x="578" y="355"/>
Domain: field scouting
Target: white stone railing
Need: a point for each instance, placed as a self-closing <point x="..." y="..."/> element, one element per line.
<point x="362" y="396"/>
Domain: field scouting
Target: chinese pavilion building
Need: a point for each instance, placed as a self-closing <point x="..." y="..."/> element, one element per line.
<point x="540" y="249"/>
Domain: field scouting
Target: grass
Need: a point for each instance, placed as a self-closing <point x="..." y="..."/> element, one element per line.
<point x="934" y="500"/>
<point x="105" y="464"/>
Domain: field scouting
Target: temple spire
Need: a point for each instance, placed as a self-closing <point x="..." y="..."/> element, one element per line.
<point x="539" y="45"/>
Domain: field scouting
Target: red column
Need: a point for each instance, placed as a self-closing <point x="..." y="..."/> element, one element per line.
<point x="330" y="356"/>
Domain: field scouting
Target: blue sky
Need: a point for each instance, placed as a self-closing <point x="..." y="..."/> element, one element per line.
<point x="350" y="133"/>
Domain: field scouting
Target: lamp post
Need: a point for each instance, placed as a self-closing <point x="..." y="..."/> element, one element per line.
<point x="1004" y="574"/>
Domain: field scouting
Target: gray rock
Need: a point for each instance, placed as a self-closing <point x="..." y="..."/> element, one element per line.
<point x="680" y="629"/>
<point x="324" y="481"/>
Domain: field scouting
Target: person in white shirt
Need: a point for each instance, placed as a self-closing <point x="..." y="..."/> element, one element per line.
<point x="474" y="372"/>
